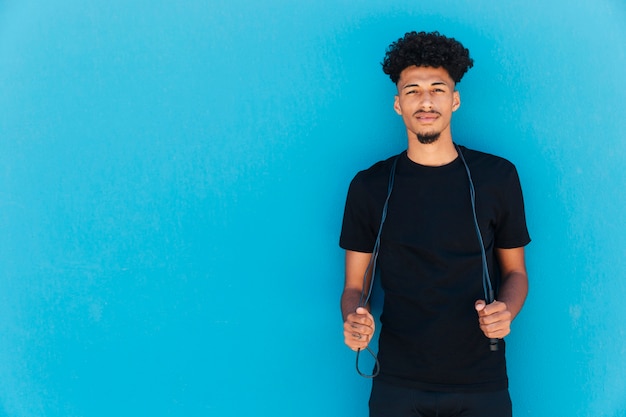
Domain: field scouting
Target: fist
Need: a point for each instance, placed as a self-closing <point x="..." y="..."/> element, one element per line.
<point x="358" y="329"/>
<point x="494" y="319"/>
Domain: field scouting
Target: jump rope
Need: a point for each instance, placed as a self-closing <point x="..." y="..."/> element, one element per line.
<point x="371" y="267"/>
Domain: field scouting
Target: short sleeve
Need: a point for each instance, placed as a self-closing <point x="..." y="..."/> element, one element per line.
<point x="511" y="230"/>
<point x="358" y="233"/>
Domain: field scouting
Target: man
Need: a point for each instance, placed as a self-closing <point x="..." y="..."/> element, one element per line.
<point x="437" y="319"/>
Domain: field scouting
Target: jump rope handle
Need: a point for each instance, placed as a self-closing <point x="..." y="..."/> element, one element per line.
<point x="493" y="342"/>
<point x="493" y="345"/>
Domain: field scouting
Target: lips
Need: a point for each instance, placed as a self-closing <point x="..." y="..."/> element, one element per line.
<point x="427" y="117"/>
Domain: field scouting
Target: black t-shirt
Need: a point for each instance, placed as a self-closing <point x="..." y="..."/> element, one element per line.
<point x="431" y="266"/>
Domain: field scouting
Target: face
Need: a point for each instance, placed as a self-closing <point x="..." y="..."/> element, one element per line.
<point x="426" y="100"/>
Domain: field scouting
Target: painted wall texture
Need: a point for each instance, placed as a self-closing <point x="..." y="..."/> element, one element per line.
<point x="172" y="180"/>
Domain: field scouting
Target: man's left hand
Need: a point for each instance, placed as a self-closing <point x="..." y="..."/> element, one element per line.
<point x="494" y="319"/>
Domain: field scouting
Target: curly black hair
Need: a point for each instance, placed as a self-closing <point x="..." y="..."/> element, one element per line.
<point x="427" y="50"/>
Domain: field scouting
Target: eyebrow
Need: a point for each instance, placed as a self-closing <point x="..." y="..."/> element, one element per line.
<point x="432" y="84"/>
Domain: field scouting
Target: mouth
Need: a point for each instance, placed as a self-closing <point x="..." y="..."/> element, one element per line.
<point x="426" y="117"/>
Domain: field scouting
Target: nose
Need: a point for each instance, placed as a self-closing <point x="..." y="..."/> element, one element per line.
<point x="426" y="102"/>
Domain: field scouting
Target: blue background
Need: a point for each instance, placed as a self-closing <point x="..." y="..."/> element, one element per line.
<point x="172" y="180"/>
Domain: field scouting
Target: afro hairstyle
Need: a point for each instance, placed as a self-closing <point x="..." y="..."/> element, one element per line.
<point x="427" y="50"/>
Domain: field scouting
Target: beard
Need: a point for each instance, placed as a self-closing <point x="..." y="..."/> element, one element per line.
<point x="428" y="138"/>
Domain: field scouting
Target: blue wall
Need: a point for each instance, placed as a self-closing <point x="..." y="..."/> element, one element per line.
<point x="172" y="179"/>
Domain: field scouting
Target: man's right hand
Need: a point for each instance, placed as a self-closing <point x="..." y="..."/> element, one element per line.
<point x="358" y="329"/>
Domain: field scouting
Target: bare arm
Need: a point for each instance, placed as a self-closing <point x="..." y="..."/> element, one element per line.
<point x="495" y="319"/>
<point x="358" y="322"/>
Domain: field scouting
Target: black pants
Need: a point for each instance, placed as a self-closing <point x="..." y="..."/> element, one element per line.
<point x="392" y="401"/>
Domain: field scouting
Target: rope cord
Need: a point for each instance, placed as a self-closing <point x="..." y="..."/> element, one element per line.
<point x="487" y="287"/>
<point x="371" y="270"/>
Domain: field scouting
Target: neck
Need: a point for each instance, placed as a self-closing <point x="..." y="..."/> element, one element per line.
<point x="441" y="152"/>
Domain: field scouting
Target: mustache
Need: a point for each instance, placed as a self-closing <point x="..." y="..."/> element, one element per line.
<point x="426" y="112"/>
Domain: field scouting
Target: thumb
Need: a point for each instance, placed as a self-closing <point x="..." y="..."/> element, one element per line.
<point x="362" y="310"/>
<point x="480" y="305"/>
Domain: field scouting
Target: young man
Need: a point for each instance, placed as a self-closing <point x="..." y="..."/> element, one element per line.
<point x="436" y="352"/>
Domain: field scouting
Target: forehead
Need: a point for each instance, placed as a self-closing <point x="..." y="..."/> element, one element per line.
<point x="424" y="76"/>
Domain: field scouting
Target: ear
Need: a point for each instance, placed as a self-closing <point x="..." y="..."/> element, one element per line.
<point x="396" y="105"/>
<point x="456" y="100"/>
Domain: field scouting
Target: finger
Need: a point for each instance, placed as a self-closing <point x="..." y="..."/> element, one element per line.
<point x="360" y="318"/>
<point x="362" y="310"/>
<point x="497" y="329"/>
<point x="503" y="316"/>
<point x="497" y="319"/>
<point x="359" y="347"/>
<point x="479" y="305"/>
<point x="364" y="315"/>
<point x="496" y="333"/>
<point x="490" y="309"/>
<point x="495" y="307"/>
<point x="353" y="328"/>
<point x="354" y="342"/>
<point x="361" y="334"/>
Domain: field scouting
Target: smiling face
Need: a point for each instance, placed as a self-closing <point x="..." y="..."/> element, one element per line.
<point x="426" y="100"/>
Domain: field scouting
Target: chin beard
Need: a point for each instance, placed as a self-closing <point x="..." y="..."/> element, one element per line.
<point x="427" y="138"/>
